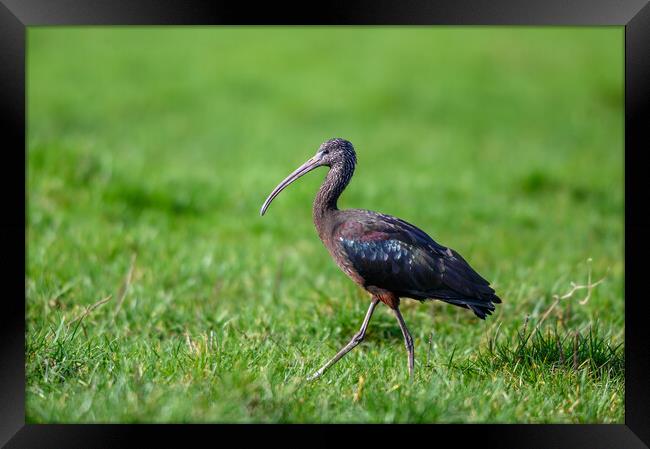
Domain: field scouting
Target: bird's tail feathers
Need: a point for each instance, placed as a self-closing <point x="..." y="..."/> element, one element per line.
<point x="481" y="307"/>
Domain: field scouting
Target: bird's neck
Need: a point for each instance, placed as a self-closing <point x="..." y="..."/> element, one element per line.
<point x="335" y="182"/>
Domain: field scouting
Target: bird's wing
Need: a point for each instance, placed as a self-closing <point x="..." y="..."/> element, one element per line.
<point x="393" y="254"/>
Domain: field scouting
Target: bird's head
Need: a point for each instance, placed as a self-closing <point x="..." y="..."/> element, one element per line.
<point x="336" y="151"/>
<point x="332" y="153"/>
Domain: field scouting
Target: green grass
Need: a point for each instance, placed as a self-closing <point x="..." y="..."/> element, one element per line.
<point x="151" y="150"/>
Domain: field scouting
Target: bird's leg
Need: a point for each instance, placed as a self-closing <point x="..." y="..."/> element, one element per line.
<point x="408" y="340"/>
<point x="356" y="339"/>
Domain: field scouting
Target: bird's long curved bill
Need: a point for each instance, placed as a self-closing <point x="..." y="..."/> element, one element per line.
<point x="308" y="166"/>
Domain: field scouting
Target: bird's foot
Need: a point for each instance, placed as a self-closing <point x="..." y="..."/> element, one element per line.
<point x="319" y="372"/>
<point x="314" y="376"/>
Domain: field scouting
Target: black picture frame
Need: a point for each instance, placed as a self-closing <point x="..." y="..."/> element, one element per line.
<point x="634" y="15"/>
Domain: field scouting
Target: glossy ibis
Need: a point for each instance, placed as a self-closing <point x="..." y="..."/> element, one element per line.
<point x="388" y="257"/>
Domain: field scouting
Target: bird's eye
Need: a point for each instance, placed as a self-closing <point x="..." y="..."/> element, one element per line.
<point x="326" y="151"/>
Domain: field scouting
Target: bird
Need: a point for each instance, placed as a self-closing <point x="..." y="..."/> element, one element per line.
<point x="387" y="256"/>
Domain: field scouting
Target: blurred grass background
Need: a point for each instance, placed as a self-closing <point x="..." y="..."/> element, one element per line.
<point x="150" y="151"/>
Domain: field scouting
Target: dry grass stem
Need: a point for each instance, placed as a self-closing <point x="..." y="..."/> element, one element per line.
<point x="589" y="286"/>
<point x="125" y="286"/>
<point x="87" y="311"/>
